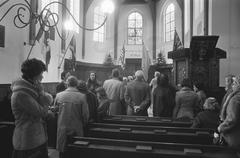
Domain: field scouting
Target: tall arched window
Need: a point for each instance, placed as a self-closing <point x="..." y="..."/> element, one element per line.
<point x="135" y="28"/>
<point x="53" y="7"/>
<point x="99" y="34"/>
<point x="169" y="22"/>
<point x="75" y="11"/>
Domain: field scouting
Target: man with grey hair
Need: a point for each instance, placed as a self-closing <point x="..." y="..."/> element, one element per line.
<point x="137" y="96"/>
<point x="73" y="113"/>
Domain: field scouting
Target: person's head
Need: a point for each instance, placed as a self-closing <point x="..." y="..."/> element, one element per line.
<point x="130" y="78"/>
<point x="197" y="86"/>
<point x="48" y="98"/>
<point x="82" y="86"/>
<point x="101" y="93"/>
<point x="32" y="69"/>
<point x="162" y="80"/>
<point x="186" y="82"/>
<point x="229" y="81"/>
<point x="156" y="74"/>
<point x="92" y="76"/>
<point x="115" y="73"/>
<point x="139" y="75"/>
<point x="72" y="81"/>
<point x="236" y="83"/>
<point x="125" y="80"/>
<point x="63" y="75"/>
<point x="211" y="104"/>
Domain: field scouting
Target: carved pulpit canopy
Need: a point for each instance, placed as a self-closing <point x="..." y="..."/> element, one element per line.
<point x="201" y="48"/>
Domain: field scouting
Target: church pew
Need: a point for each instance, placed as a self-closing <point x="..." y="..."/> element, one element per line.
<point x="170" y="135"/>
<point x="6" y="132"/>
<point x="144" y="120"/>
<point x="112" y="148"/>
<point x="156" y="129"/>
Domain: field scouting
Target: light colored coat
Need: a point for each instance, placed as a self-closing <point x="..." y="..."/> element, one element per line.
<point x="113" y="88"/>
<point x="230" y="114"/>
<point x="187" y="103"/>
<point x="73" y="114"/>
<point x="29" y="129"/>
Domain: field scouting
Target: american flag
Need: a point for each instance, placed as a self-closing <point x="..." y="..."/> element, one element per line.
<point x="121" y="59"/>
<point x="177" y="44"/>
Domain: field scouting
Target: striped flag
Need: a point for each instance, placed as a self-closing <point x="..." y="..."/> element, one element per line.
<point x="146" y="62"/>
<point x="177" y="44"/>
<point x="121" y="59"/>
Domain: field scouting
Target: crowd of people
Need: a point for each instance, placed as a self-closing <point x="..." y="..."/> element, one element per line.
<point x="78" y="102"/>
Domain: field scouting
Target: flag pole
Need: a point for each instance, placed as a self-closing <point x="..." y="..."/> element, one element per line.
<point x="64" y="55"/>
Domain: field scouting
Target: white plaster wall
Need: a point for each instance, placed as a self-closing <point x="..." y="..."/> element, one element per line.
<point x="198" y="17"/>
<point x="225" y="23"/>
<point x="125" y="11"/>
<point x="95" y="52"/>
<point x="163" y="46"/>
<point x="15" y="52"/>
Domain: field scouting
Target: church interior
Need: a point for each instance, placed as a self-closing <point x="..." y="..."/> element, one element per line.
<point x="158" y="44"/>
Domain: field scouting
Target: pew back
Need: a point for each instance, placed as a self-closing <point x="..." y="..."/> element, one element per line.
<point x="108" y="148"/>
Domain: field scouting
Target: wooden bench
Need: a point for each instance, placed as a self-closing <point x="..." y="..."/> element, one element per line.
<point x="143" y="120"/>
<point x="6" y="133"/>
<point x="150" y="133"/>
<point x="112" y="148"/>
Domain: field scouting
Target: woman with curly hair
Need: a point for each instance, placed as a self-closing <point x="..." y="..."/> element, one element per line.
<point x="92" y="82"/>
<point x="29" y="104"/>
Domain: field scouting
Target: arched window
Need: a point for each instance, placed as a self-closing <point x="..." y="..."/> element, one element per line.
<point x="74" y="9"/>
<point x="135" y="28"/>
<point x="53" y="7"/>
<point x="99" y="34"/>
<point x="169" y="22"/>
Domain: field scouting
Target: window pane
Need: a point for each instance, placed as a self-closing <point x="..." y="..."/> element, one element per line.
<point x="131" y="32"/>
<point x="172" y="16"/>
<point x="139" y="32"/>
<point x="168" y="27"/>
<point x="172" y="26"/>
<point x="138" y="16"/>
<point x="131" y="23"/>
<point x="131" y="16"/>
<point x="135" y="28"/>
<point x="130" y="41"/>
<point x="138" y="40"/>
<point x="167" y="18"/>
<point x="139" y="23"/>
<point x="169" y="22"/>
<point x="172" y="35"/>
<point x="100" y="37"/>
<point x="167" y="36"/>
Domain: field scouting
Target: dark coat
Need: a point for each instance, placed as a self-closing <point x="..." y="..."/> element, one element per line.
<point x="163" y="101"/>
<point x="61" y="87"/>
<point x="206" y="119"/>
<point x="137" y="94"/>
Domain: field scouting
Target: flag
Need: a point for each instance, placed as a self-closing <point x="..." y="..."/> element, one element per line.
<point x="46" y="50"/>
<point x="122" y="57"/>
<point x="177" y="44"/>
<point x="72" y="47"/>
<point x="41" y="29"/>
<point x="146" y="61"/>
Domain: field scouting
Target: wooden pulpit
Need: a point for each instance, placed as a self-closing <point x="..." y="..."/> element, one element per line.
<point x="200" y="62"/>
